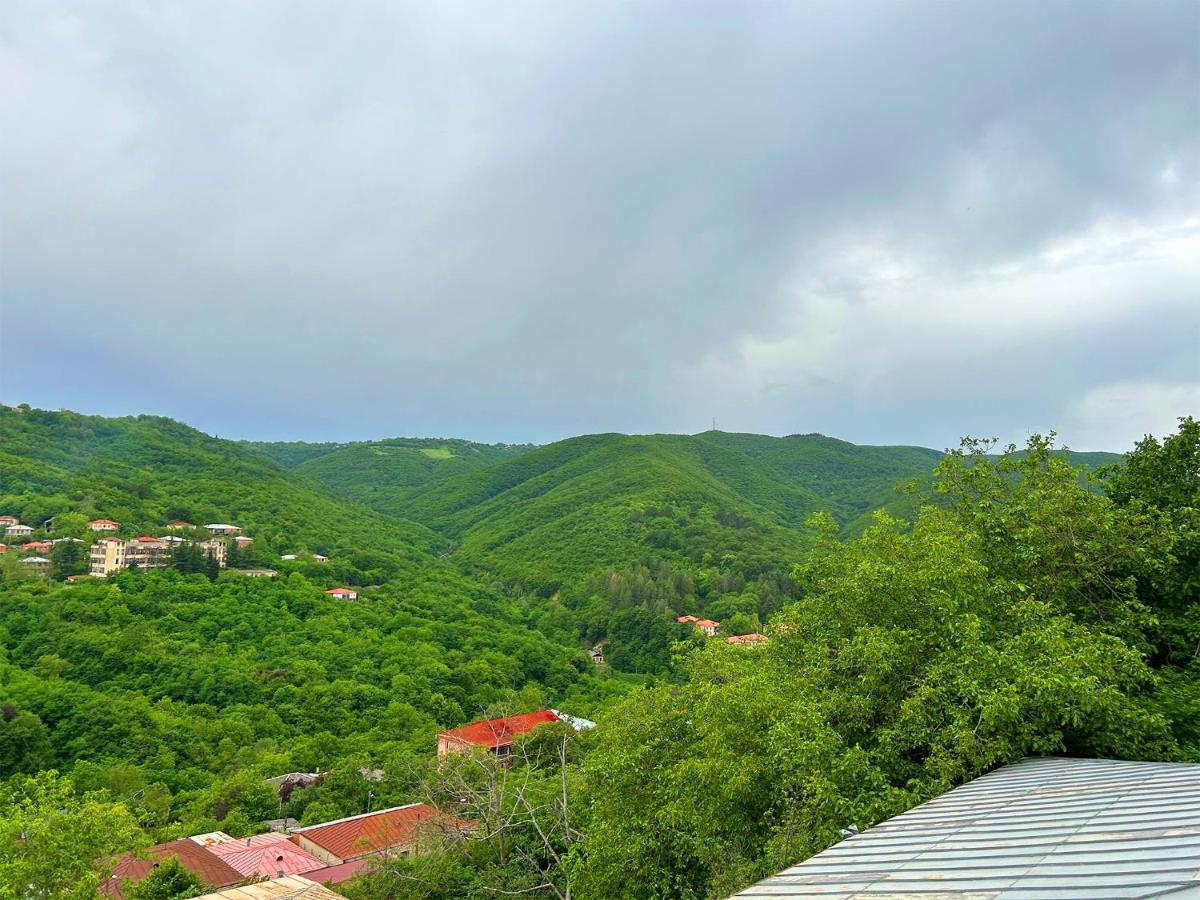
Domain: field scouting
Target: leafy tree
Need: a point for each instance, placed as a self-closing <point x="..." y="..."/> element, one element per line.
<point x="168" y="880"/>
<point x="50" y="837"/>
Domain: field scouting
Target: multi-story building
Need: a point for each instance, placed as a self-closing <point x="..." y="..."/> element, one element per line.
<point x="147" y="553"/>
<point x="106" y="556"/>
<point x="111" y="554"/>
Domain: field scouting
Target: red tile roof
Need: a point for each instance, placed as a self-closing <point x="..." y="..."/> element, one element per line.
<point x="103" y="522"/>
<point x="500" y="732"/>
<point x="687" y="619"/>
<point x="36" y="545"/>
<point x="701" y="623"/>
<point x="341" y="592"/>
<point x="198" y="860"/>
<point x="271" y="855"/>
<point x="360" y="835"/>
<point x="147" y="540"/>
<point x="339" y="873"/>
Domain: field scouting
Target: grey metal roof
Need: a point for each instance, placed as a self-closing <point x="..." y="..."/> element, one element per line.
<point x="1041" y="829"/>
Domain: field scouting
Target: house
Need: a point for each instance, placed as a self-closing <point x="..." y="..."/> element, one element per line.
<point x="177" y="525"/>
<point x="708" y="626"/>
<point x="747" y="640"/>
<point x="210" y="837"/>
<point x="285" y="824"/>
<point x="270" y="855"/>
<point x="37" y="563"/>
<point x="174" y="540"/>
<point x="317" y="557"/>
<point x="196" y="859"/>
<point x="597" y="655"/>
<point x="257" y="573"/>
<point x="223" y="529"/>
<point x="17" y="530"/>
<point x="401" y="830"/>
<point x="99" y="525"/>
<point x="243" y="542"/>
<point x="37" y="547"/>
<point x="289" y="887"/>
<point x="288" y="557"/>
<point x="3" y="548"/>
<point x="496" y="735"/>
<point x="343" y="593"/>
<point x="684" y="620"/>
<point x="5" y="521"/>
<point x="1040" y="828"/>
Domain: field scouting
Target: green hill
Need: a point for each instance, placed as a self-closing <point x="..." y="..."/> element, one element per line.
<point x="145" y="471"/>
<point x="549" y="515"/>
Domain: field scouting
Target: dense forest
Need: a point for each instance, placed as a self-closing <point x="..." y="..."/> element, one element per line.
<point x="930" y="616"/>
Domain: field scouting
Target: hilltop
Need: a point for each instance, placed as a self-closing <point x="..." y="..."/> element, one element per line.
<point x="552" y="514"/>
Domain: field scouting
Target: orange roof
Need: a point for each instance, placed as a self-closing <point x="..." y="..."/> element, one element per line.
<point x="341" y="592"/>
<point x="361" y="835"/>
<point x="103" y="522"/>
<point x="500" y="732"/>
<point x="707" y="622"/>
<point x="687" y="619"/>
<point x="147" y="540"/>
<point x="754" y="638"/>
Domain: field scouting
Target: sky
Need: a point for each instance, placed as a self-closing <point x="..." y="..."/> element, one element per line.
<point x="897" y="222"/>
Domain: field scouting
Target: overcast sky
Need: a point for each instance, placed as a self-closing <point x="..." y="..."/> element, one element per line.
<point x="894" y="222"/>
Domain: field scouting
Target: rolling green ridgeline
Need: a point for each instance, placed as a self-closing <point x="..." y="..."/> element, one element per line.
<point x="553" y="514"/>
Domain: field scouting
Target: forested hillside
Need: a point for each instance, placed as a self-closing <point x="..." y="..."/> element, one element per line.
<point x="146" y="471"/>
<point x="546" y="517"/>
<point x="1023" y="605"/>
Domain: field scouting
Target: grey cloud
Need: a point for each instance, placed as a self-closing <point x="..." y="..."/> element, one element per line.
<point x="525" y="221"/>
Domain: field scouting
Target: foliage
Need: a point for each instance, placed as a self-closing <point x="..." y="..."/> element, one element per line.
<point x="51" y="836"/>
<point x="168" y="881"/>
<point x="917" y="658"/>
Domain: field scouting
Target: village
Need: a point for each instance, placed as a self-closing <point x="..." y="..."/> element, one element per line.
<point x="287" y="858"/>
<point x="110" y="553"/>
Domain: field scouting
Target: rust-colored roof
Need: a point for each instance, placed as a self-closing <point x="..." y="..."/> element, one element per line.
<point x="271" y="855"/>
<point x="103" y="522"/>
<point x="341" y="592"/>
<point x="499" y="732"/>
<point x="709" y="623"/>
<point x="686" y="619"/>
<point x="361" y="835"/>
<point x="754" y="638"/>
<point x="208" y="868"/>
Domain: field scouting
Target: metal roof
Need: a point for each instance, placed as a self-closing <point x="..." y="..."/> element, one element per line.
<point x="1041" y="829"/>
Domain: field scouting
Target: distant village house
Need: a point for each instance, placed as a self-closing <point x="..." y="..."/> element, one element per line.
<point x="101" y="525"/>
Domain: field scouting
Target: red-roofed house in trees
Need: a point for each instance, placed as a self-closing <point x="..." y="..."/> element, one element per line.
<point x="747" y="640"/>
<point x="37" y="547"/>
<point x="402" y="831"/>
<point x="496" y="735"/>
<point x="99" y="525"/>
<point x="5" y="521"/>
<point x="343" y="593"/>
<point x="196" y="859"/>
<point x="708" y="626"/>
<point x="683" y="620"/>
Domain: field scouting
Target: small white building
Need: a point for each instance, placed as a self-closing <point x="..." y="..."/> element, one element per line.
<point x="18" y="530"/>
<point x="218" y="528"/>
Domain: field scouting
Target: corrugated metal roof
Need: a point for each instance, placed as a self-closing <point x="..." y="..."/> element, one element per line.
<point x="1041" y="829"/>
<point x="291" y="887"/>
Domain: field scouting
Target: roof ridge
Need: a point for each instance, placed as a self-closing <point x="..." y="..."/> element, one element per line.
<point x="377" y="812"/>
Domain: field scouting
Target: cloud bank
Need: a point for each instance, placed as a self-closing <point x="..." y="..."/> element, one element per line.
<point x="890" y="222"/>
